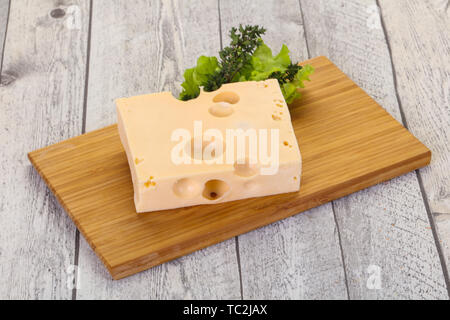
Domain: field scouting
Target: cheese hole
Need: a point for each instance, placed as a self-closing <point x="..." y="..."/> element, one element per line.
<point x="215" y="189"/>
<point x="228" y="96"/>
<point x="246" y="168"/>
<point x="221" y="109"/>
<point x="187" y="188"/>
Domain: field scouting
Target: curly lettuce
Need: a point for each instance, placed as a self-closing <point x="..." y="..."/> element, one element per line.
<point x="247" y="59"/>
<point x="196" y="77"/>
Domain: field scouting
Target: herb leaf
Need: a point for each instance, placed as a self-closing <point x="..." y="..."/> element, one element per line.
<point x="236" y="56"/>
<point x="289" y="87"/>
<point x="191" y="89"/>
<point x="263" y="63"/>
<point x="247" y="58"/>
<point x="198" y="76"/>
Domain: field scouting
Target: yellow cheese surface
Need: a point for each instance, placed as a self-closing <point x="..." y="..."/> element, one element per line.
<point x="148" y="127"/>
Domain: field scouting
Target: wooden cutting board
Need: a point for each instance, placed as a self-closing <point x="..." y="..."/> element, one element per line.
<point x="348" y="142"/>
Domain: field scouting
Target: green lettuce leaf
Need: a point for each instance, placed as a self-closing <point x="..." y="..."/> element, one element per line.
<point x="190" y="86"/>
<point x="289" y="89"/>
<point x="303" y="74"/>
<point x="196" y="77"/>
<point x="205" y="67"/>
<point x="263" y="64"/>
<point x="290" y="92"/>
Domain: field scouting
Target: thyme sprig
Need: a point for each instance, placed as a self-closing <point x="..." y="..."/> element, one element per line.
<point x="236" y="56"/>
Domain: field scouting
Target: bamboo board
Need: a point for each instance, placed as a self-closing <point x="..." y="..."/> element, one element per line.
<point x="348" y="142"/>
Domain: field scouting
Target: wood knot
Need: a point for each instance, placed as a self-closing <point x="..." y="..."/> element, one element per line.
<point x="6" y="79"/>
<point x="57" y="13"/>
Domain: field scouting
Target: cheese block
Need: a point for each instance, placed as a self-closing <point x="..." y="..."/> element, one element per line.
<point x="233" y="143"/>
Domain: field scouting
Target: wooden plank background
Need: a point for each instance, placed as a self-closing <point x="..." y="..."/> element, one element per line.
<point x="64" y="62"/>
<point x="4" y="10"/>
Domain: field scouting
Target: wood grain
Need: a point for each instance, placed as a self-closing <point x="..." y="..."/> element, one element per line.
<point x="348" y="143"/>
<point x="386" y="225"/>
<point x="41" y="96"/>
<point x="424" y="92"/>
<point x="4" y="9"/>
<point x="291" y="259"/>
<point x="150" y="44"/>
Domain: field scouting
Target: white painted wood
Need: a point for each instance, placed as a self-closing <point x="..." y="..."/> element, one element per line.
<point x="41" y="99"/>
<point x="419" y="35"/>
<point x="211" y="273"/>
<point x="4" y="5"/>
<point x="385" y="226"/>
<point x="297" y="258"/>
<point x="143" y="47"/>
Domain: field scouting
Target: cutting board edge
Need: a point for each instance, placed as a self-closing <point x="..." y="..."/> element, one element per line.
<point x="134" y="266"/>
<point x="118" y="270"/>
<point x="385" y="174"/>
<point x="31" y="156"/>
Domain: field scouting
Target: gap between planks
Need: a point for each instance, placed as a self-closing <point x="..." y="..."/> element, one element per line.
<point x="83" y="130"/>
<point x="417" y="172"/>
<point x="5" y="6"/>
